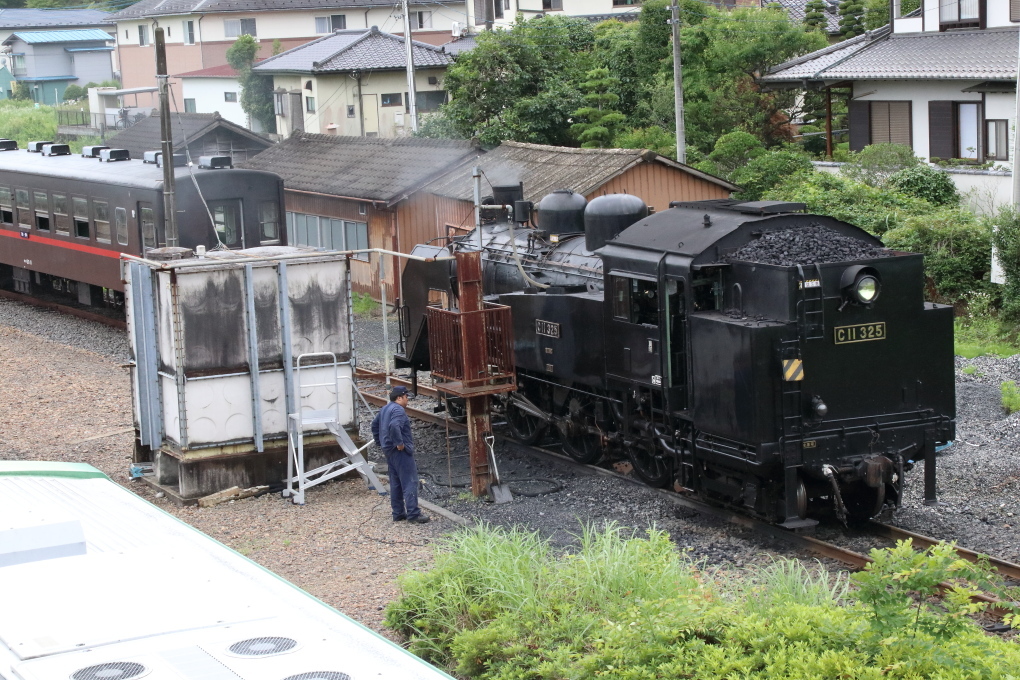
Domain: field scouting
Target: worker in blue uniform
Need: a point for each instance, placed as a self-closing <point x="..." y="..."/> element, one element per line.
<point x="391" y="429"/>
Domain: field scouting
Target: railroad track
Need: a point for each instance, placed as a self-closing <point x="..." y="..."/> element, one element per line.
<point x="802" y="542"/>
<point x="64" y="309"/>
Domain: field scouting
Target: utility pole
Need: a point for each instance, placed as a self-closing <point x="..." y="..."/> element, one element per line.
<point x="678" y="87"/>
<point x="412" y="97"/>
<point x="166" y="133"/>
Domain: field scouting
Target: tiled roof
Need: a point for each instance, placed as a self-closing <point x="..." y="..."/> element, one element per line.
<point x="40" y="18"/>
<point x="464" y="44"/>
<point x="145" y="135"/>
<point x="797" y="10"/>
<point x="353" y="50"/>
<point x="373" y="168"/>
<point x="989" y="54"/>
<point x="158" y="8"/>
<point x="78" y="35"/>
<point x="543" y="169"/>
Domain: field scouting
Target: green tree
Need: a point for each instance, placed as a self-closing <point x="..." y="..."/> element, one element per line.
<point x="256" y="89"/>
<point x="815" y="17"/>
<point x="851" y="18"/>
<point x="521" y="84"/>
<point x="652" y="137"/>
<point x="601" y="120"/>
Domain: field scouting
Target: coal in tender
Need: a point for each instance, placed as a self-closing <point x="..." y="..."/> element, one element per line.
<point x="814" y="244"/>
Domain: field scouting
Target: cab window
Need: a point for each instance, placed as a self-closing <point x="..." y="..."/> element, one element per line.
<point x="635" y="300"/>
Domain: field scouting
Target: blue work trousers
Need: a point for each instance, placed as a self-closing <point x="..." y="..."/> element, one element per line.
<point x="403" y="484"/>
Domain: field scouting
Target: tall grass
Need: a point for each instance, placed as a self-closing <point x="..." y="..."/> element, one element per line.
<point x="788" y="582"/>
<point x="24" y="122"/>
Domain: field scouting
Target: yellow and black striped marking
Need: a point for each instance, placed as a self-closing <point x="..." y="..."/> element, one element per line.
<point x="793" y="369"/>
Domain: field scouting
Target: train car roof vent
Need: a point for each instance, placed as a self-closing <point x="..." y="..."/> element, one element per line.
<point x="180" y="160"/>
<point x="215" y="162"/>
<point x="116" y="670"/>
<point x="768" y="207"/>
<point x="8" y="145"/>
<point x="92" y="151"/>
<point x="151" y="156"/>
<point x="56" y="150"/>
<point x="263" y="646"/>
<point x="111" y="155"/>
<point x="36" y="147"/>
<point x="319" y="675"/>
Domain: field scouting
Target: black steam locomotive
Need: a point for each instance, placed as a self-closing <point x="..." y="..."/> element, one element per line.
<point x="763" y="358"/>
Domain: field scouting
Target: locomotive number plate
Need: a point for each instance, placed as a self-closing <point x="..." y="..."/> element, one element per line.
<point x="862" y="332"/>
<point x="547" y="328"/>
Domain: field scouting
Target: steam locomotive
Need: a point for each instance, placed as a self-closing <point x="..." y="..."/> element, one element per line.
<point x="760" y="357"/>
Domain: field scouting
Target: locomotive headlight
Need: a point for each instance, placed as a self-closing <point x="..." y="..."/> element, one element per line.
<point x="819" y="407"/>
<point x="861" y="285"/>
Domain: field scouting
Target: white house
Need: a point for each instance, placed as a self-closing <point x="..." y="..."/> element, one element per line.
<point x="941" y="79"/>
<point x="215" y="89"/>
<point x="354" y="83"/>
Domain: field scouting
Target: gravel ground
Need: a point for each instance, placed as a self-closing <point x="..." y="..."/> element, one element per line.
<point x="342" y="547"/>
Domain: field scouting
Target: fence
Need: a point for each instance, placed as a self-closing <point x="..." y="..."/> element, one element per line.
<point x="446" y="350"/>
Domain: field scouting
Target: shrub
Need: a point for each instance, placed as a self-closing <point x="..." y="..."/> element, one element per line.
<point x="1006" y="237"/>
<point x="74" y="92"/>
<point x="957" y="250"/>
<point x="1010" y="396"/>
<point x="925" y="182"/>
<point x="653" y="137"/>
<point x="766" y="171"/>
<point x="734" y="150"/>
<point x="874" y="164"/>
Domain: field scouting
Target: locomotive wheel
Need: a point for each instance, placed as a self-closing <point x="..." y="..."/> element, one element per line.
<point x="580" y="444"/>
<point x="525" y="428"/>
<point x="657" y="472"/>
<point x="862" y="501"/>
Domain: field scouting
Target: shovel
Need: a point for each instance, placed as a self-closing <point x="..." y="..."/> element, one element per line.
<point x="499" y="493"/>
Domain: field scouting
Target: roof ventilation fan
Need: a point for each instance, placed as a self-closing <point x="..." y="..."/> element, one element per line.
<point x="117" y="670"/>
<point x="263" y="646"/>
<point x="319" y="675"/>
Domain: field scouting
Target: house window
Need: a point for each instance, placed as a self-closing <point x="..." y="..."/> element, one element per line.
<point x="189" y="106"/>
<point x="233" y="28"/>
<point x="997" y="140"/>
<point x="890" y="123"/>
<point x="19" y="64"/>
<point x="959" y="12"/>
<point x="189" y="32"/>
<point x="968" y="129"/>
<point x="327" y="232"/>
<point x="392" y="99"/>
<point x="429" y="100"/>
<point x="350" y="110"/>
<point x="497" y="9"/>
<point x="625" y="3"/>
<point x="278" y="103"/>
<point x="310" y="104"/>
<point x="1014" y="10"/>
<point x="334" y="22"/>
<point x="143" y="35"/>
<point x="552" y="4"/>
<point x="230" y="97"/>
<point x="423" y="19"/>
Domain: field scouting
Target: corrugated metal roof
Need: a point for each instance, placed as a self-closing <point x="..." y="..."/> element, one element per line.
<point x="372" y="168"/>
<point x="989" y="54"/>
<point x="75" y="35"/>
<point x="158" y="8"/>
<point x="543" y="169"/>
<point x="38" y="18"/>
<point x="353" y="50"/>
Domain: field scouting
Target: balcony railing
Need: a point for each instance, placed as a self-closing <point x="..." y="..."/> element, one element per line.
<point x="99" y="121"/>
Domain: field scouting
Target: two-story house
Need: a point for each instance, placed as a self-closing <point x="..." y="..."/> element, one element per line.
<point x="49" y="61"/>
<point x="941" y="79"/>
<point x="198" y="33"/>
<point x="353" y="83"/>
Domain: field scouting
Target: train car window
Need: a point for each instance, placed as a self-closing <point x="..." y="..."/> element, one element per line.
<point x="61" y="220"/>
<point x="636" y="300"/>
<point x="269" y="222"/>
<point x="24" y="210"/>
<point x="42" y="211"/>
<point x="6" y="207"/>
<point x="357" y="238"/>
<point x="120" y="219"/>
<point x="81" y="217"/>
<point x="101" y="216"/>
<point x="147" y="220"/>
<point x="621" y="298"/>
<point x="227" y="220"/>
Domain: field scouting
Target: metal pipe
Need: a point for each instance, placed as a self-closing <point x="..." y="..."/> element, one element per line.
<point x="476" y="177"/>
<point x="385" y="320"/>
<point x="216" y="264"/>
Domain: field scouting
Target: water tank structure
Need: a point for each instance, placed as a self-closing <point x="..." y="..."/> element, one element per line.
<point x="225" y="346"/>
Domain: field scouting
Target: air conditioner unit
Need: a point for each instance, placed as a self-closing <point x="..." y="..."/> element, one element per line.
<point x="458" y="29"/>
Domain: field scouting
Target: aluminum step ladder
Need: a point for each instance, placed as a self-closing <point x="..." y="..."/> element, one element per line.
<point x="298" y="478"/>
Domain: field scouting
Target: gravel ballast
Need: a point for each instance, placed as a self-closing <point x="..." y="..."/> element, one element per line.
<point x="64" y="395"/>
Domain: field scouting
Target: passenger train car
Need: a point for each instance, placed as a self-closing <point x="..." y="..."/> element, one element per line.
<point x="98" y="584"/>
<point x="758" y="356"/>
<point x="65" y="219"/>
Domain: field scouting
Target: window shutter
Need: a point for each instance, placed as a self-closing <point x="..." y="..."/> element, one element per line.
<point x="940" y="130"/>
<point x="880" y="123"/>
<point x="480" y="12"/>
<point x="1014" y="10"/>
<point x="860" y="125"/>
<point x="899" y="123"/>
